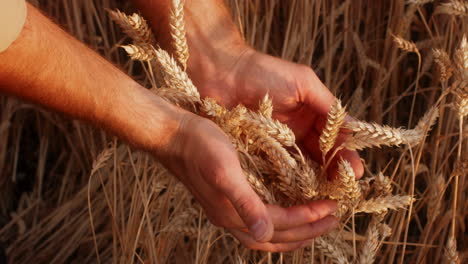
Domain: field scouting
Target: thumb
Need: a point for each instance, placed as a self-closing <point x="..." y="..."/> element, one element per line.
<point x="247" y="204"/>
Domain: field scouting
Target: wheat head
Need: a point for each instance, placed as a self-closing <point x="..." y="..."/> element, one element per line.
<point x="177" y="28"/>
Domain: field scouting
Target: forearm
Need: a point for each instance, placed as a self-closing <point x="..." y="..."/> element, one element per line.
<point x="47" y="66"/>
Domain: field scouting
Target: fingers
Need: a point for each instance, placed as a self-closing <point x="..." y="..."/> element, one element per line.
<point x="249" y="242"/>
<point x="286" y="218"/>
<point x="306" y="232"/>
<point x="250" y="208"/>
<point x="317" y="97"/>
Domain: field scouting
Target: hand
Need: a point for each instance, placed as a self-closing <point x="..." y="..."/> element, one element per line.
<point x="203" y="158"/>
<point x="300" y="99"/>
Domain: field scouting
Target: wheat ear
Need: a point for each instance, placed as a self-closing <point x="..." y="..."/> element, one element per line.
<point x="444" y="64"/>
<point x="371" y="245"/>
<point x="134" y="26"/>
<point x="451" y="253"/>
<point x="350" y="186"/>
<point x="274" y="128"/>
<point x="101" y="160"/>
<point x="373" y="135"/>
<point x="382" y="204"/>
<point x="177" y="27"/>
<point x="259" y="188"/>
<point x="329" y="249"/>
<point x="382" y="184"/>
<point x="454" y="7"/>
<point x="265" y="106"/>
<point x="405" y="45"/>
<point x="419" y="2"/>
<point x="175" y="77"/>
<point x="336" y="118"/>
<point x="136" y="52"/>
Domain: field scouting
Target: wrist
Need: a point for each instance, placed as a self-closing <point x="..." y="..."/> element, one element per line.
<point x="143" y="119"/>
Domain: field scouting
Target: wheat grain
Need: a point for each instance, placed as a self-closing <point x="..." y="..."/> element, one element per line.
<point x="336" y="118"/>
<point x="382" y="204"/>
<point x="179" y="40"/>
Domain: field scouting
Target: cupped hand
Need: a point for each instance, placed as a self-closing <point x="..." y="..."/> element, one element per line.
<point x="203" y="158"/>
<point x="300" y="99"/>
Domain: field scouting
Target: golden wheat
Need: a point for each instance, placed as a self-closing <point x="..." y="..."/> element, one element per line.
<point x="177" y="26"/>
<point x="336" y="118"/>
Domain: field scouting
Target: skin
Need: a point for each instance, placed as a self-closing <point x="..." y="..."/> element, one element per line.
<point x="47" y="66"/>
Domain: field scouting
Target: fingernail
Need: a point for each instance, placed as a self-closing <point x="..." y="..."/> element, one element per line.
<point x="259" y="229"/>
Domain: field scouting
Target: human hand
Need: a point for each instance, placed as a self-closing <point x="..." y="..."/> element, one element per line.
<point x="300" y="99"/>
<point x="203" y="158"/>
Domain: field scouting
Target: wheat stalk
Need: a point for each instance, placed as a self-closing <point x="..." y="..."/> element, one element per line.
<point x="177" y="28"/>
<point x="435" y="197"/>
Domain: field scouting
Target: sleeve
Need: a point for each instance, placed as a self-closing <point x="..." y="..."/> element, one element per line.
<point x="12" y="18"/>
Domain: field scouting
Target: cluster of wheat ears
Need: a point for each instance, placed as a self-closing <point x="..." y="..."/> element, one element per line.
<point x="272" y="162"/>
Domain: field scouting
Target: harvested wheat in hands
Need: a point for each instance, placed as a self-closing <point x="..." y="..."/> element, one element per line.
<point x="273" y="164"/>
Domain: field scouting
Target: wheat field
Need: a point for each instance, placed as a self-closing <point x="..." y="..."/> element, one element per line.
<point x="73" y="194"/>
